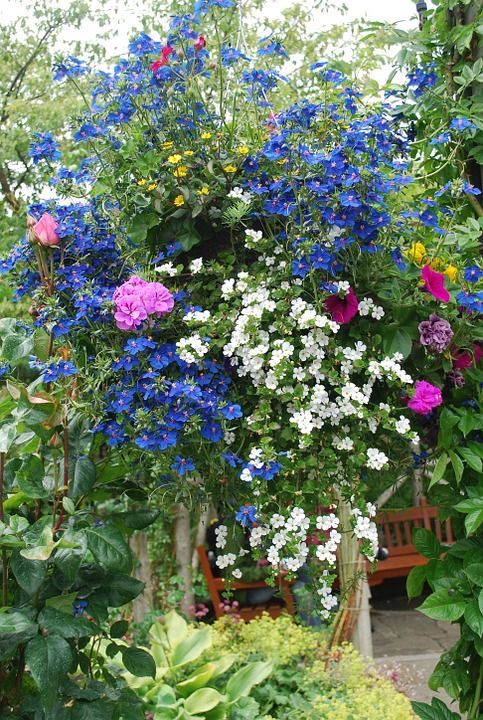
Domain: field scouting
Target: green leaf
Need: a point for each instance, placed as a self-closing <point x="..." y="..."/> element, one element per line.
<point x="439" y="469"/>
<point x="470" y="505"/>
<point x="241" y="683"/>
<point x="119" y="629"/>
<point x="68" y="560"/>
<point x="396" y="339"/>
<point x="444" y="605"/>
<point x="415" y="581"/>
<point x="191" y="647"/>
<point x="175" y="626"/>
<point x="107" y="545"/>
<point x="30" y="574"/>
<point x="15" y="628"/>
<point x="139" y="662"/>
<point x="196" y="680"/>
<point x="474" y="618"/>
<point x="83" y="478"/>
<point x="473" y="521"/>
<point x="8" y="431"/>
<point x="426" y="543"/>
<point x="62" y="603"/>
<point x="475" y="573"/>
<point x="471" y="458"/>
<point x="120" y="589"/>
<point x="436" y="711"/>
<point x="447" y="420"/>
<point x="203" y="700"/>
<point x="16" y="347"/>
<point x="467" y="423"/>
<point x="67" y="626"/>
<point x="44" y="549"/>
<point x="458" y="466"/>
<point x="136" y="519"/>
<point x="30" y="476"/>
<point x="49" y="659"/>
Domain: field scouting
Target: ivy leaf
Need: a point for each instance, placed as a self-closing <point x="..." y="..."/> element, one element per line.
<point x="444" y="605"/>
<point x="427" y="543"/>
<point x="49" y="659"/>
<point x="107" y="545"/>
<point x="139" y="662"/>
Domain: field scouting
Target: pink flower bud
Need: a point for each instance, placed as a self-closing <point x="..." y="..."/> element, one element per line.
<point x="199" y="43"/>
<point x="45" y="231"/>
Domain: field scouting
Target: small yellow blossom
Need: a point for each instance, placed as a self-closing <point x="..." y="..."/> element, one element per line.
<point x="417" y="253"/>
<point x="282" y="161"/>
<point x="179" y="200"/>
<point x="180" y="171"/>
<point x="205" y="135"/>
<point x="167" y="145"/>
<point x="174" y="159"/>
<point x="151" y="186"/>
<point x="204" y="191"/>
<point x="142" y="182"/>
<point x="230" y="168"/>
<point x="452" y="272"/>
<point x="189" y="153"/>
<point x="243" y="150"/>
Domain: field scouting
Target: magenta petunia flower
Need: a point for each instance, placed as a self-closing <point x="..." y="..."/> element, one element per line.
<point x="425" y="398"/>
<point x="342" y="310"/>
<point x="463" y="360"/>
<point x="434" y="284"/>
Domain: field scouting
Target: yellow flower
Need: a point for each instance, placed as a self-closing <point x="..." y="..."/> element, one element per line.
<point x="230" y="169"/>
<point x="142" y="182"/>
<point x="243" y="150"/>
<point x="189" y="153"/>
<point x="180" y="171"/>
<point x="205" y="135"/>
<point x="282" y="161"/>
<point x="167" y="145"/>
<point x="151" y="186"/>
<point x="452" y="272"/>
<point x="179" y="200"/>
<point x="174" y="159"/>
<point x="203" y="191"/>
<point x="417" y="252"/>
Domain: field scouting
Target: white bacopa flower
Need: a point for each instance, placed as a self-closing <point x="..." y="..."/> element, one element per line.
<point x="237" y="573"/>
<point x="402" y="425"/>
<point x="223" y="561"/>
<point x="196" y="265"/>
<point x="167" y="269"/>
<point x="376" y="459"/>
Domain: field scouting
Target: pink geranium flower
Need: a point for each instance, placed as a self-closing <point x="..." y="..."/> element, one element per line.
<point x="434" y="284"/>
<point x="46" y="231"/>
<point x="157" y="299"/>
<point x="425" y="398"/>
<point x="130" y="313"/>
<point x="342" y="310"/>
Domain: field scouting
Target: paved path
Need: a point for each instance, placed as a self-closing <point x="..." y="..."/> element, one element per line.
<point x="407" y="646"/>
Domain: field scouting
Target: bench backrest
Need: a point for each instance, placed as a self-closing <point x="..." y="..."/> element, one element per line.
<point x="396" y="526"/>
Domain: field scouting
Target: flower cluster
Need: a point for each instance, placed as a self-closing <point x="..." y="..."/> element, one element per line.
<point x="137" y="299"/>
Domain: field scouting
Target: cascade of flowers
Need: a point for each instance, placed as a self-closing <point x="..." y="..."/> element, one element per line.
<point x="255" y="304"/>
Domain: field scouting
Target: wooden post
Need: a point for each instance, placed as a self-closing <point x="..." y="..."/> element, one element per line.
<point x="182" y="542"/>
<point x="353" y="582"/>
<point x="144" y="602"/>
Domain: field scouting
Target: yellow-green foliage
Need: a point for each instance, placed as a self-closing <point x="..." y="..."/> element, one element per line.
<point x="280" y="640"/>
<point x="339" y="684"/>
<point x="352" y="690"/>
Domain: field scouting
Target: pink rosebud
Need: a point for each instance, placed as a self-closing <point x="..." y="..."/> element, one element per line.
<point x="425" y="398"/>
<point x="199" y="43"/>
<point x="464" y="360"/>
<point x="342" y="310"/>
<point x="434" y="284"/>
<point x="45" y="231"/>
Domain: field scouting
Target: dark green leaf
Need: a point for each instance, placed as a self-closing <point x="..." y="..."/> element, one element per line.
<point x="415" y="581"/>
<point x="396" y="339"/>
<point x="475" y="573"/>
<point x="15" y="628"/>
<point x="83" y="478"/>
<point x="67" y="626"/>
<point x="136" y="519"/>
<point x="48" y="659"/>
<point x="470" y="458"/>
<point x="458" y="466"/>
<point x="30" y="574"/>
<point x="439" y="469"/>
<point x="119" y="629"/>
<point x="426" y="543"/>
<point x="139" y="662"/>
<point x="474" y="618"/>
<point x="107" y="545"/>
<point x="473" y="521"/>
<point x="436" y="711"/>
<point x="15" y="347"/>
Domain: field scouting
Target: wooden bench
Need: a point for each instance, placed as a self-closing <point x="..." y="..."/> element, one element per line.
<point x="395" y="533"/>
<point x="217" y="585"/>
